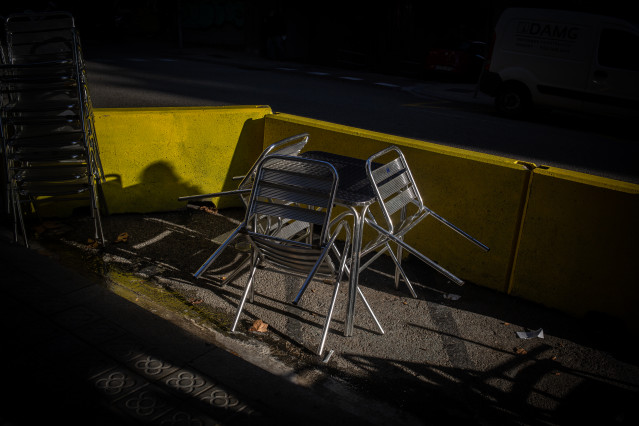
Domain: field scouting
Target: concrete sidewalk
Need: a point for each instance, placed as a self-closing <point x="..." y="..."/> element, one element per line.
<point x="79" y="352"/>
<point x="126" y="335"/>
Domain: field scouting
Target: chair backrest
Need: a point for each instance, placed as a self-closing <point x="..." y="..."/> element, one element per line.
<point x="43" y="51"/>
<point x="291" y="189"/>
<point x="393" y="184"/>
<point x="33" y="37"/>
<point x="290" y="146"/>
<point x="294" y="188"/>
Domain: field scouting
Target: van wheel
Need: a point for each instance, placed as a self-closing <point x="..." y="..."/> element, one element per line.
<point x="513" y="100"/>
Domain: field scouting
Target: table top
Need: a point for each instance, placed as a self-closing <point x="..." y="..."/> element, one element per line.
<point x="353" y="188"/>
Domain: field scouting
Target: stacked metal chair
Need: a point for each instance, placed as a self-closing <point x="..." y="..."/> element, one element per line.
<point x="300" y="190"/>
<point x="3" y="61"/>
<point x="290" y="146"/>
<point x="46" y="119"/>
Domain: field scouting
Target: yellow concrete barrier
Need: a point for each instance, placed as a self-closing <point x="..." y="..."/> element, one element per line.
<point x="482" y="194"/>
<point x="579" y="246"/>
<point x="560" y="238"/>
<point x="153" y="156"/>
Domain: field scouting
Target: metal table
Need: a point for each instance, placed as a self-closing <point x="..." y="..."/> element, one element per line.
<point x="355" y="192"/>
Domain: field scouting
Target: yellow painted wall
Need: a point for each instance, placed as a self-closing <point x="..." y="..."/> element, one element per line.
<point x="482" y="194"/>
<point x="579" y="245"/>
<point x="153" y="156"/>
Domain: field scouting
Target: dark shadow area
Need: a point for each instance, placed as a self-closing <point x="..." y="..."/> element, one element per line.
<point x="595" y="330"/>
<point x="546" y="138"/>
<point x="507" y="393"/>
<point x="77" y="354"/>
<point x="438" y="395"/>
<point x="619" y="127"/>
<point x="388" y="37"/>
<point x="506" y="387"/>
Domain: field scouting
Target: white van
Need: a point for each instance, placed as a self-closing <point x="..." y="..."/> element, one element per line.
<point x="563" y="60"/>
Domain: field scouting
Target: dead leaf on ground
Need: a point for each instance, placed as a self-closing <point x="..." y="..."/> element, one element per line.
<point x="122" y="238"/>
<point x="207" y="209"/>
<point x="47" y="225"/>
<point x="520" y="351"/>
<point x="92" y="243"/>
<point x="259" y="326"/>
<point x="195" y="301"/>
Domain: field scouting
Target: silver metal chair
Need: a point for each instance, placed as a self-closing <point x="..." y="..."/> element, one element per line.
<point x="290" y="146"/>
<point x="302" y="190"/>
<point x="402" y="209"/>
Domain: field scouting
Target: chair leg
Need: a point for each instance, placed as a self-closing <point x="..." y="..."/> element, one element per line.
<point x="247" y="290"/>
<point x="398" y="266"/>
<point x="14" y="212"/>
<point x="420" y="256"/>
<point x="8" y="197"/>
<point x="400" y="270"/>
<point x="398" y="263"/>
<point x="95" y="212"/>
<point x="217" y="252"/>
<point x="327" y="323"/>
<point x="18" y="218"/>
<point x="313" y="271"/>
<point x="370" y="310"/>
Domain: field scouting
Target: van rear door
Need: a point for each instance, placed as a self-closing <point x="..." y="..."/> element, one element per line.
<point x="614" y="77"/>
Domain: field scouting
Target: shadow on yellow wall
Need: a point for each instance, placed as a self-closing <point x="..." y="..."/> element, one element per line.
<point x="156" y="190"/>
<point x="152" y="180"/>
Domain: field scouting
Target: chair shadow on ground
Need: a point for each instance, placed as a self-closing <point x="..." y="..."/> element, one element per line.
<point x="437" y="394"/>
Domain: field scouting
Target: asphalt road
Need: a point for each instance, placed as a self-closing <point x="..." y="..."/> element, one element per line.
<point x="151" y="75"/>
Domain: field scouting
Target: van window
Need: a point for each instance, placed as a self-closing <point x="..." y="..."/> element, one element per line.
<point x="617" y="49"/>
